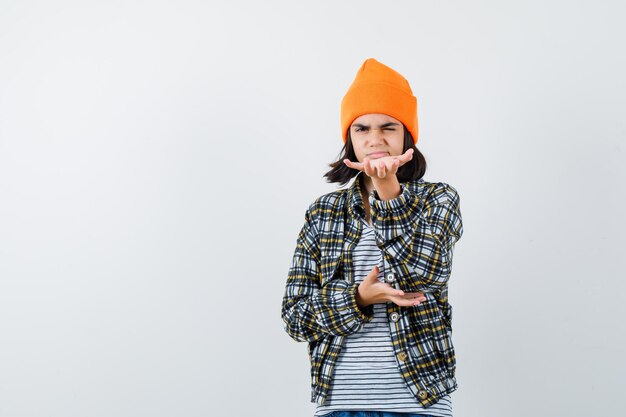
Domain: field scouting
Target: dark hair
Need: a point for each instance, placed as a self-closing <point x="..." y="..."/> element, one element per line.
<point x="412" y="170"/>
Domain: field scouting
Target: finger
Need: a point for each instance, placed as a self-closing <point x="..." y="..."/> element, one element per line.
<point x="395" y="293"/>
<point x="404" y="302"/>
<point x="374" y="271"/>
<point x="407" y="156"/>
<point x="416" y="295"/>
<point x="367" y="166"/>
<point x="373" y="274"/>
<point x="375" y="169"/>
<point x="410" y="295"/>
<point x="394" y="166"/>
<point x="413" y="298"/>
<point x="383" y="170"/>
<point x="374" y="166"/>
<point x="354" y="165"/>
<point x="391" y="291"/>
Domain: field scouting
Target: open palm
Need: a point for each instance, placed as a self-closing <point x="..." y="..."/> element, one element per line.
<point x="381" y="167"/>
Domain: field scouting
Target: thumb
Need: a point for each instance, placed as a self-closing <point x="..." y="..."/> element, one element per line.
<point x="373" y="275"/>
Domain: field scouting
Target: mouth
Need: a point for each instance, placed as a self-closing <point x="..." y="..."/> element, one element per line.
<point x="378" y="154"/>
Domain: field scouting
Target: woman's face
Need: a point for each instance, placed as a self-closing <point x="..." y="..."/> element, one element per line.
<point x="376" y="135"/>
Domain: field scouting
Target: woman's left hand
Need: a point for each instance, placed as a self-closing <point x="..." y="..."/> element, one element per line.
<point x="381" y="168"/>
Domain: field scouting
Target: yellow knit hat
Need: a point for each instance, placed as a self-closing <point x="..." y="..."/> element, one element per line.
<point x="379" y="89"/>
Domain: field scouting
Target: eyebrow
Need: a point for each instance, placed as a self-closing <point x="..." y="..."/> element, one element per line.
<point x="380" y="126"/>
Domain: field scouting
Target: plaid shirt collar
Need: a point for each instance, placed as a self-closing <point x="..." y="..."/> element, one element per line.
<point x="355" y="200"/>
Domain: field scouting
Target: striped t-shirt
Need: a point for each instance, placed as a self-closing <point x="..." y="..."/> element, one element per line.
<point x="366" y="375"/>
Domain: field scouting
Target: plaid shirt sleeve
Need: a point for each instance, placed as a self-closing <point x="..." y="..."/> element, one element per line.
<point x="311" y="311"/>
<point x="419" y="233"/>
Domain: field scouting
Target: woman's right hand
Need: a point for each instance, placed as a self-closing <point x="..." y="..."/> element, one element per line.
<point x="372" y="291"/>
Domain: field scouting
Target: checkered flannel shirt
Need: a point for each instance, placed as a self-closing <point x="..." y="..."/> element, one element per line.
<point x="416" y="233"/>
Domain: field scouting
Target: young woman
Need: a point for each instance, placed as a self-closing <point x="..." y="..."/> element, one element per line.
<point x="368" y="283"/>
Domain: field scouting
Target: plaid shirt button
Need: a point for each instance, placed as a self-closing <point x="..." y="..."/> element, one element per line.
<point x="391" y="278"/>
<point x="422" y="394"/>
<point x="394" y="317"/>
<point x="402" y="356"/>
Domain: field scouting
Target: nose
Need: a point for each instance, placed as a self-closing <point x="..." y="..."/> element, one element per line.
<point x="377" y="136"/>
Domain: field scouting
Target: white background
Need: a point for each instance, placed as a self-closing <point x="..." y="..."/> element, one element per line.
<point x="157" y="157"/>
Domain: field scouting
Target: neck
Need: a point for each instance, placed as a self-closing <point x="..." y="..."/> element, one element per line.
<point x="367" y="186"/>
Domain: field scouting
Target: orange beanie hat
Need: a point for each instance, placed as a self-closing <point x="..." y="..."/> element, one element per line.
<point x="379" y="89"/>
